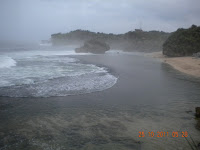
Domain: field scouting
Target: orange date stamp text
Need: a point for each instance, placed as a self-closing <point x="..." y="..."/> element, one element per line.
<point x="163" y="134"/>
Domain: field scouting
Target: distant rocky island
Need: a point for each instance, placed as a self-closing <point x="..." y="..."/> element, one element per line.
<point x="137" y="40"/>
<point x="93" y="46"/>
<point x="183" y="42"/>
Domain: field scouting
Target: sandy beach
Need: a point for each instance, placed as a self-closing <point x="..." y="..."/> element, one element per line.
<point x="187" y="65"/>
<point x="146" y="98"/>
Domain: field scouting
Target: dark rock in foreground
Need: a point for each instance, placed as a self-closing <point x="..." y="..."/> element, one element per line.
<point x="93" y="46"/>
<point x="198" y="112"/>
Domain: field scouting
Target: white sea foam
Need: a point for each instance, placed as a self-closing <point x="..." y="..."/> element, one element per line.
<point x="6" y="62"/>
<point x="53" y="76"/>
<point x="49" y="72"/>
<point x="32" y="53"/>
<point x="121" y="52"/>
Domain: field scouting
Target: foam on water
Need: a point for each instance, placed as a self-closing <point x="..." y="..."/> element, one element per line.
<point x="48" y="52"/>
<point x="52" y="75"/>
<point x="121" y="52"/>
<point x="62" y="86"/>
<point x="6" y="62"/>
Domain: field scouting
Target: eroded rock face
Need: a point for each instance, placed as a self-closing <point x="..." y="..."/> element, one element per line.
<point x="93" y="46"/>
<point x="198" y="112"/>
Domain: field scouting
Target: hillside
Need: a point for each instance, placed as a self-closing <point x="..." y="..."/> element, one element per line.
<point x="93" y="46"/>
<point x="183" y="42"/>
<point x="137" y="40"/>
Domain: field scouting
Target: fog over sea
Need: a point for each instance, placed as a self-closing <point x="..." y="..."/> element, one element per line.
<point x="44" y="71"/>
<point x="54" y="99"/>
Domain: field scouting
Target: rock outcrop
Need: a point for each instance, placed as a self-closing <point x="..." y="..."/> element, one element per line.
<point x="198" y="112"/>
<point x="138" y="40"/>
<point x="183" y="42"/>
<point x="93" y="46"/>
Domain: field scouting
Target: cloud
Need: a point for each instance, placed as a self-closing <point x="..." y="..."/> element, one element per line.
<point x="38" y="19"/>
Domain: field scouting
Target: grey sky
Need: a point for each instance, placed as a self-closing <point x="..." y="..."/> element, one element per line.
<point x="38" y="19"/>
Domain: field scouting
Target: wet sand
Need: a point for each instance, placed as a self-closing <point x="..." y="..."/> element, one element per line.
<point x="188" y="65"/>
<point x="147" y="97"/>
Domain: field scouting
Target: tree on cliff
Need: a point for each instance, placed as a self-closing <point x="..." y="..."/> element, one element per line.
<point x="145" y="41"/>
<point x="93" y="46"/>
<point x="183" y="42"/>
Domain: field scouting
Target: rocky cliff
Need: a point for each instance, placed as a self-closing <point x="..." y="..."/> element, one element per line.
<point x="183" y="42"/>
<point x="93" y="46"/>
<point x="137" y="40"/>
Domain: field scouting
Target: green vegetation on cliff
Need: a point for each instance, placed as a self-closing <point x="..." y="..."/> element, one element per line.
<point x="183" y="42"/>
<point x="93" y="46"/>
<point x="137" y="40"/>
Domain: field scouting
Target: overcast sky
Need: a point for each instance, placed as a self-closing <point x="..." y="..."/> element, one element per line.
<point x="38" y="19"/>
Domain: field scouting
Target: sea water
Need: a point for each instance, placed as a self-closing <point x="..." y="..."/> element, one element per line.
<point x="149" y="96"/>
<point x="49" y="72"/>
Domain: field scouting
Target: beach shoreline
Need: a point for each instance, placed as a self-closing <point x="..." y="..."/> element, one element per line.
<point x="188" y="65"/>
<point x="145" y="98"/>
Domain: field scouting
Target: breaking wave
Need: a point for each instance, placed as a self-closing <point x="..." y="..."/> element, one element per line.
<point x="45" y="76"/>
<point x="6" y="62"/>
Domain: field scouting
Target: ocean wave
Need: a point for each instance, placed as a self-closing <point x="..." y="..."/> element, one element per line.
<point x="7" y="62"/>
<point x="62" y="86"/>
<point x="44" y="76"/>
<point x="45" y="53"/>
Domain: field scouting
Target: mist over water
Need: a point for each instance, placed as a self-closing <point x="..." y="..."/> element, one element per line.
<point x="6" y="62"/>
<point x="52" y="98"/>
<point x="110" y="119"/>
<point x="44" y="73"/>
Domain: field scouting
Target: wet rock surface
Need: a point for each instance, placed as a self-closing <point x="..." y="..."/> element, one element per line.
<point x="197" y="112"/>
